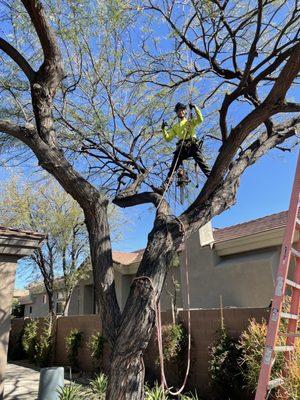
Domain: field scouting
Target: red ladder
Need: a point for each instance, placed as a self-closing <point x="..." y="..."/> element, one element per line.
<point x="276" y="314"/>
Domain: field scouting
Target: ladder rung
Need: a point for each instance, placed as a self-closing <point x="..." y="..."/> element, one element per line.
<point x="288" y="315"/>
<point x="284" y="348"/>
<point x="292" y="335"/>
<point x="293" y="284"/>
<point x="275" y="383"/>
<point x="295" y="252"/>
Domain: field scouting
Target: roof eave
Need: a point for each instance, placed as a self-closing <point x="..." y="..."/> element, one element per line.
<point x="260" y="240"/>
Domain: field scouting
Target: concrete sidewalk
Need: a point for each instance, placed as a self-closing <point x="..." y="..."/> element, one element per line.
<point x="21" y="383"/>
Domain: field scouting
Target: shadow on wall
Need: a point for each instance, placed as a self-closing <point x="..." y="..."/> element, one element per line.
<point x="7" y="275"/>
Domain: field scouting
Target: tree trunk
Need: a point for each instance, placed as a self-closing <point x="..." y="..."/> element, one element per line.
<point x="126" y="378"/>
<point x="51" y="303"/>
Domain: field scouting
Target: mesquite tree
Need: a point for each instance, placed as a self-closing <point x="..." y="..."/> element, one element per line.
<point x="93" y="125"/>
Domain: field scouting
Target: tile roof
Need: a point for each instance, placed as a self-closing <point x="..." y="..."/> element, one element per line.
<point x="124" y="258"/>
<point x="5" y="231"/>
<point x="253" y="227"/>
<point x="20" y="293"/>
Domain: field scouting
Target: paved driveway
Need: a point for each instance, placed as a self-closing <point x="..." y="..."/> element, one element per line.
<point x="21" y="383"/>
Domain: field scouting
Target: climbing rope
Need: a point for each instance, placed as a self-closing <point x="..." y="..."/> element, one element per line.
<point x="164" y="383"/>
<point x="159" y="334"/>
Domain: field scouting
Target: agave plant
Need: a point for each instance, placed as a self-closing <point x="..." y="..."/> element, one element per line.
<point x="155" y="393"/>
<point x="98" y="387"/>
<point x="70" y="392"/>
<point x="189" y="396"/>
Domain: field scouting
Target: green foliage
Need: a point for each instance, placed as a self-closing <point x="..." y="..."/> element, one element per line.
<point x="224" y="368"/>
<point x="155" y="393"/>
<point x="29" y="339"/>
<point x="189" y="396"/>
<point x="251" y="343"/>
<point x="37" y="343"/>
<point x="17" y="310"/>
<point x="292" y="380"/>
<point x="98" y="387"/>
<point x="70" y="392"/>
<point x="44" y="344"/>
<point x="173" y="337"/>
<point x="73" y="343"/>
<point x="96" y="345"/>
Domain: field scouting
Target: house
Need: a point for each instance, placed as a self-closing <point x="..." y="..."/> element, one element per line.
<point x="239" y="267"/>
<point x="235" y="265"/>
<point x="82" y="300"/>
<point x="14" y="244"/>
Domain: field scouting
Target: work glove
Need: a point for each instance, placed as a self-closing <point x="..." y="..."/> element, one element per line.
<point x="164" y="125"/>
<point x="191" y="105"/>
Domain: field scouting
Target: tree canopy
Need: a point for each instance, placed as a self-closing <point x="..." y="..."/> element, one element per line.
<point x="85" y="86"/>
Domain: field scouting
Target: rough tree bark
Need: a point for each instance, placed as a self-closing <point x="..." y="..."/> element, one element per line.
<point x="129" y="333"/>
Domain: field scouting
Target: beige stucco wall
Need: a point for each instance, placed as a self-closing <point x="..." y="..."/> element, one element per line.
<point x="243" y="280"/>
<point x="7" y="280"/>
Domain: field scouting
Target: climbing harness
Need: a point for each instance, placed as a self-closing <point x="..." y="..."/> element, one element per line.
<point x="182" y="181"/>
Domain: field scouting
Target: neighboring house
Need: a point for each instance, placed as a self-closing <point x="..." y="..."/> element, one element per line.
<point x="36" y="300"/>
<point x="236" y="265"/>
<point x="82" y="299"/>
<point x="240" y="265"/>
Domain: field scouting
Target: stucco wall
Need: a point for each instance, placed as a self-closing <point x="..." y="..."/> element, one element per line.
<point x="7" y="272"/>
<point x="205" y="324"/>
<point x="88" y="325"/>
<point x="243" y="280"/>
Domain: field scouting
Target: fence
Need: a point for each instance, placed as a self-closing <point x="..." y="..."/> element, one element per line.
<point x="205" y="325"/>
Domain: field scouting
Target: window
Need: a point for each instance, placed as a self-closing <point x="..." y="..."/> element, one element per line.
<point x="30" y="310"/>
<point x="59" y="307"/>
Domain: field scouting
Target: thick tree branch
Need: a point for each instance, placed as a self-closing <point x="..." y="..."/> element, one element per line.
<point x="94" y="206"/>
<point x="18" y="59"/>
<point x="43" y="29"/>
<point x="270" y="106"/>
<point x="224" y="196"/>
<point x="125" y="200"/>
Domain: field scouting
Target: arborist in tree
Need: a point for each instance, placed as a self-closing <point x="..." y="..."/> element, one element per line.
<point x="188" y="146"/>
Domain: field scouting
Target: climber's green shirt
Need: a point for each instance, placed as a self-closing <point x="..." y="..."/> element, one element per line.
<point x="185" y="128"/>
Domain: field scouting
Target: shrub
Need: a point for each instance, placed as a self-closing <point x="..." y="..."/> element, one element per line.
<point x="224" y="368"/>
<point x="292" y="381"/>
<point x="189" y="396"/>
<point x="29" y="339"/>
<point x="96" y="346"/>
<point x="252" y="344"/>
<point x="98" y="387"/>
<point x="173" y="337"/>
<point x="73" y="343"/>
<point x="155" y="393"/>
<point x="44" y="344"/>
<point x="70" y="392"/>
<point x="17" y="309"/>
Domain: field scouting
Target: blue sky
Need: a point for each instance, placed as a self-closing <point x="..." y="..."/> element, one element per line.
<point x="265" y="189"/>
